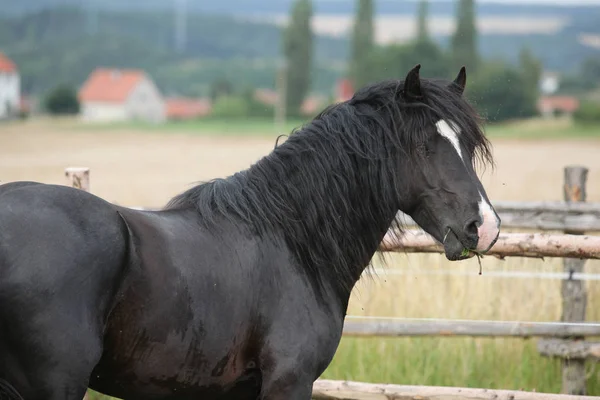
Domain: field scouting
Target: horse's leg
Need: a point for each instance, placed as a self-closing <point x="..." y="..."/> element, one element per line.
<point x="62" y="258"/>
<point x="49" y="354"/>
<point x="289" y="377"/>
<point x="288" y="387"/>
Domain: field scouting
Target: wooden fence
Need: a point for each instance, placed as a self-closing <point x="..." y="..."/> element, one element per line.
<point x="344" y="390"/>
<point x="563" y="339"/>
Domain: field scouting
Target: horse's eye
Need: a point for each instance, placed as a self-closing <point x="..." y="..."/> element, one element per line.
<point x="423" y="149"/>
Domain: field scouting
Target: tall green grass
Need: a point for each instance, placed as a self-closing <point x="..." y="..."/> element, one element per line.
<point x="496" y="363"/>
<point x="462" y="362"/>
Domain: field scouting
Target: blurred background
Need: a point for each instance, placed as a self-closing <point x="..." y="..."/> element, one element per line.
<point x="156" y="95"/>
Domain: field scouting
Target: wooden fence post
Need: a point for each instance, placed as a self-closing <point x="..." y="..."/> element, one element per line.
<point x="574" y="297"/>
<point x="78" y="177"/>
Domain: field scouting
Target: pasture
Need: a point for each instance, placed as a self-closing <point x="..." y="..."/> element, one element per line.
<point x="140" y="166"/>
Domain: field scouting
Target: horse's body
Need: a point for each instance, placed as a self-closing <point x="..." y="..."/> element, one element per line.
<point x="238" y="289"/>
<point x="178" y="319"/>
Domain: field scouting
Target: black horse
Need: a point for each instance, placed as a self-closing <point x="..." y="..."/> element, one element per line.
<point x="238" y="288"/>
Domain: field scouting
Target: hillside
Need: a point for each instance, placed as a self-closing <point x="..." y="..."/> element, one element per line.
<point x="244" y="7"/>
<point x="214" y="33"/>
<point x="63" y="45"/>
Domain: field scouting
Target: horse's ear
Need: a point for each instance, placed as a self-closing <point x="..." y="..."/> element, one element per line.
<point x="460" y="81"/>
<point x="412" y="84"/>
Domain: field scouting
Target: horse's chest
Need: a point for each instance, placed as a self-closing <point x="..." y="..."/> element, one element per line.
<point x="180" y="364"/>
<point x="153" y="348"/>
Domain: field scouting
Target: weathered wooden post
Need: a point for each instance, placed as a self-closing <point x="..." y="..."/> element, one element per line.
<point x="574" y="297"/>
<point x="78" y="177"/>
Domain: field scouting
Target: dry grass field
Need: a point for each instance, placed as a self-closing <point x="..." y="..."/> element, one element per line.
<point x="146" y="167"/>
<point x="141" y="168"/>
<point x="401" y="28"/>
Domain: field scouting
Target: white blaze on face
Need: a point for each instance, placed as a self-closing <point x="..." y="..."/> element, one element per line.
<point x="451" y="134"/>
<point x="488" y="230"/>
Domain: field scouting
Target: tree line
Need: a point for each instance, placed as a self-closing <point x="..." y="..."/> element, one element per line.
<point x="498" y="89"/>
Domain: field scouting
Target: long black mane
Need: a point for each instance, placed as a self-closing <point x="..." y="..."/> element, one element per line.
<point x="335" y="179"/>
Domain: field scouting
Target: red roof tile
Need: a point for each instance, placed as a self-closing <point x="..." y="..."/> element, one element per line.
<point x="110" y="85"/>
<point x="6" y="64"/>
<point x="181" y="108"/>
<point x="345" y="91"/>
<point x="266" y="96"/>
<point x="563" y="103"/>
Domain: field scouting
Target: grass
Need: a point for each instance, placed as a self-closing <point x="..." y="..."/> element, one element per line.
<point x="490" y="363"/>
<point x="495" y="363"/>
<point x="259" y="127"/>
<point x="562" y="128"/>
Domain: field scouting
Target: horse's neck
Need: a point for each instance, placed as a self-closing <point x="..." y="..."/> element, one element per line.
<point x="332" y="215"/>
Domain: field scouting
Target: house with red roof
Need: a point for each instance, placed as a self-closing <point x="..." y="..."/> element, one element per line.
<point x="112" y="95"/>
<point x="550" y="106"/>
<point x="10" y="87"/>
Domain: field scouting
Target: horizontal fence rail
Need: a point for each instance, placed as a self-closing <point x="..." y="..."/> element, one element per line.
<point x="536" y="245"/>
<point x="569" y="349"/>
<point x="378" y="272"/>
<point x="324" y="389"/>
<point x="546" y="216"/>
<point x="358" y="326"/>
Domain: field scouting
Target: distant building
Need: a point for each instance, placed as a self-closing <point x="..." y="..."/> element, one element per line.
<point x="10" y="88"/>
<point x="111" y="95"/>
<point x="551" y="106"/>
<point x="343" y="90"/>
<point x="549" y="82"/>
<point x="181" y="108"/>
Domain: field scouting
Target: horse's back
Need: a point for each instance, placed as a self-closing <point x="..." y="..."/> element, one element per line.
<point x="53" y="232"/>
<point x="62" y="253"/>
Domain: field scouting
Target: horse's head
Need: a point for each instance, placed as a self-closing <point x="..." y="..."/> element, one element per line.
<point x="444" y="195"/>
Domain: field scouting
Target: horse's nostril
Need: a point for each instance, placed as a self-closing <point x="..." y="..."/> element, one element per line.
<point x="471" y="228"/>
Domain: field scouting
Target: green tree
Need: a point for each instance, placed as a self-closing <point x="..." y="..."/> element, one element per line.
<point x="499" y="93"/>
<point x="425" y="51"/>
<point x="62" y="100"/>
<point x="590" y="71"/>
<point x="395" y="60"/>
<point x="231" y="106"/>
<point x="220" y="87"/>
<point x="298" y="51"/>
<point x="463" y="44"/>
<point x="422" y="17"/>
<point x="531" y="71"/>
<point x="256" y="108"/>
<point x="433" y="60"/>
<point x="588" y="113"/>
<point x="362" y="45"/>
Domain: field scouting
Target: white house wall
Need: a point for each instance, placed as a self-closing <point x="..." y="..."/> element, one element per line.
<point x="103" y="112"/>
<point x="10" y="93"/>
<point x="145" y="103"/>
